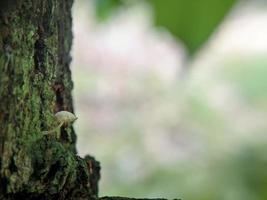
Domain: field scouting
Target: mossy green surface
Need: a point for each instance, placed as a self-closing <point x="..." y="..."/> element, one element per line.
<point x="35" y="83"/>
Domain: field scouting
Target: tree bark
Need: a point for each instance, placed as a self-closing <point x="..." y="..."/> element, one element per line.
<point x="35" y="83"/>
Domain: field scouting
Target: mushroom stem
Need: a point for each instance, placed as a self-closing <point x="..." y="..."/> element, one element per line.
<point x="57" y="130"/>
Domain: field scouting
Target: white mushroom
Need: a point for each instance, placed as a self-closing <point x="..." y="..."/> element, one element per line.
<point x="65" y="117"/>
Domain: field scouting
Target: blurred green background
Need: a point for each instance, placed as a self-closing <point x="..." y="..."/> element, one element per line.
<point x="171" y="96"/>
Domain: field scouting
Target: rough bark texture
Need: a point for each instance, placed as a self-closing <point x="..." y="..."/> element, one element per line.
<point x="35" y="83"/>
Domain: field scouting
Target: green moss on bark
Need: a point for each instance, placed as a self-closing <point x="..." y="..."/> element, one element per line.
<point x="35" y="83"/>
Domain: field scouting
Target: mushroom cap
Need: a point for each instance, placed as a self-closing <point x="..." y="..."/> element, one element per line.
<point x="65" y="117"/>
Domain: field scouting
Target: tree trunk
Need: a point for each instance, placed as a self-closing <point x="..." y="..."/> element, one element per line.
<point x="35" y="83"/>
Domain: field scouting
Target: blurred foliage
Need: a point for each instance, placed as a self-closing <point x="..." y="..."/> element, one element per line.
<point x="105" y="7"/>
<point x="197" y="139"/>
<point x="192" y="22"/>
<point x="248" y="76"/>
<point x="220" y="168"/>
